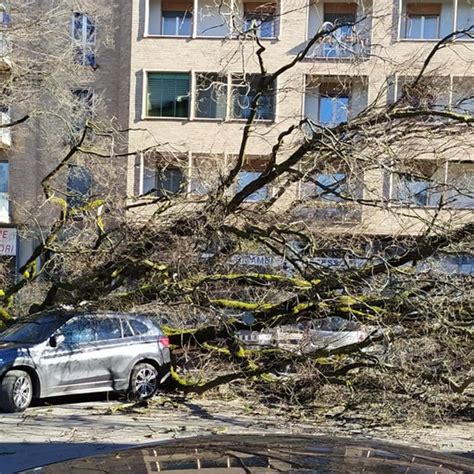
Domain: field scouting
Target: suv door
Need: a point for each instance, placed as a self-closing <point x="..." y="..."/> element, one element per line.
<point x="83" y="361"/>
<point x="113" y="353"/>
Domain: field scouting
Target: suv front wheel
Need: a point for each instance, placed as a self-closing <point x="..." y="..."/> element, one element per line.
<point x="144" y="381"/>
<point x="16" y="391"/>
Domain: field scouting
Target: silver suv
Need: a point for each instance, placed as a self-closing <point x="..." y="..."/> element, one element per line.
<point x="62" y="353"/>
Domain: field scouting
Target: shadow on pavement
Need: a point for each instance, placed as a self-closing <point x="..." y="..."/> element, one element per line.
<point x="84" y="398"/>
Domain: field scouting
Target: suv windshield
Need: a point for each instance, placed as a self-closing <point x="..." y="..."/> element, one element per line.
<point x="30" y="332"/>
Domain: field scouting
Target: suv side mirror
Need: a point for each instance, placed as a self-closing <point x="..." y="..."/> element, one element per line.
<point x="55" y="341"/>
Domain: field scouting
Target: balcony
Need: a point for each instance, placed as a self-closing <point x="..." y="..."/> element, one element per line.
<point x="351" y="39"/>
<point x="209" y="19"/>
<point x="5" y="133"/>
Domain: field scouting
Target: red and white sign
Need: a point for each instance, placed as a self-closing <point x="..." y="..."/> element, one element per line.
<point x="7" y="242"/>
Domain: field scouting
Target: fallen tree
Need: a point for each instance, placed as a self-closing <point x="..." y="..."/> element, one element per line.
<point x="184" y="257"/>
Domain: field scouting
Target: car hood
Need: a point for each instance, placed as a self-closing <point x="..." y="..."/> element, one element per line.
<point x="6" y="346"/>
<point x="11" y="350"/>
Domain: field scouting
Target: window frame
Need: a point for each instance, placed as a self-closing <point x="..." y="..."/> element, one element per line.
<point x="186" y="15"/>
<point x="253" y="20"/>
<point x="182" y="189"/>
<point x="430" y="182"/>
<point x="5" y="196"/>
<point x="195" y="95"/>
<point x="260" y="195"/>
<point x="334" y="102"/>
<point x="145" y="98"/>
<point x="83" y="44"/>
<point x="339" y="181"/>
<point x="450" y="199"/>
<point x="74" y="201"/>
<point x="229" y="115"/>
<point x="423" y="17"/>
<point x="5" y="118"/>
<point x="232" y="98"/>
<point x="194" y="25"/>
<point x="407" y="9"/>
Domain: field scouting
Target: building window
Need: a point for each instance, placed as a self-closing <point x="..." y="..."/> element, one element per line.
<point x="421" y="184"/>
<point x="333" y="109"/>
<point x="260" y="19"/>
<point x="465" y="18"/>
<point x="168" y="94"/>
<point x="79" y="186"/>
<point x="422" y="26"/>
<point x="207" y="171"/>
<point x="351" y="25"/>
<point x="332" y="100"/>
<point x="82" y="109"/>
<point x="5" y="119"/>
<point x="341" y="43"/>
<point x="161" y="182"/>
<point x="460" y="185"/>
<point x="245" y="177"/>
<point x="251" y="170"/>
<point x="4" y="184"/>
<point x="422" y="20"/>
<point x="170" y="17"/>
<point x="462" y="100"/>
<point x="5" y="18"/>
<point x="84" y="36"/>
<point x="410" y="190"/>
<point x="211" y="96"/>
<point x="244" y="90"/>
<point x="331" y="187"/>
<point x="430" y="92"/>
<point x="177" y="23"/>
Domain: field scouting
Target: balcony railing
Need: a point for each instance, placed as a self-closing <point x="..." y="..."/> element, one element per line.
<point x="5" y="132"/>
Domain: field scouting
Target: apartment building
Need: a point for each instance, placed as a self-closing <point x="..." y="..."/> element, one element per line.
<point x="181" y="75"/>
<point x="31" y="149"/>
<point x="193" y="74"/>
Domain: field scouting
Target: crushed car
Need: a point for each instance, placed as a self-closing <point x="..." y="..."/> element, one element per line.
<point x="331" y="333"/>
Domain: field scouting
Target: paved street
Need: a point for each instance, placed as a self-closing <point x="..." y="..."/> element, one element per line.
<point x="75" y="427"/>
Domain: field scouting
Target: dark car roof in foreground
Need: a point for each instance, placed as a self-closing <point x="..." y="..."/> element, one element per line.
<point x="267" y="454"/>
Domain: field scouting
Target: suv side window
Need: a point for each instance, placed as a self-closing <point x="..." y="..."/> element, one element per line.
<point x="138" y="327"/>
<point x="108" y="328"/>
<point x="126" y="328"/>
<point x="79" y="330"/>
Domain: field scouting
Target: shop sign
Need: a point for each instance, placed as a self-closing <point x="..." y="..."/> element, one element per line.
<point x="7" y="242"/>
